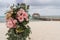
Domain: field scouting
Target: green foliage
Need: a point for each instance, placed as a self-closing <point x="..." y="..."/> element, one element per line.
<point x="21" y="35"/>
<point x="22" y="31"/>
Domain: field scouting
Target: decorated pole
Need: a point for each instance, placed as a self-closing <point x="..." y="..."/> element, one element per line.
<point x="16" y="20"/>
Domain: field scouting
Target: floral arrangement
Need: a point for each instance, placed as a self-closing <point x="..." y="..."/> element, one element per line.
<point x="17" y="19"/>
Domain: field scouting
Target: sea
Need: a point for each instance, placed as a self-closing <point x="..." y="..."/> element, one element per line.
<point x="2" y="19"/>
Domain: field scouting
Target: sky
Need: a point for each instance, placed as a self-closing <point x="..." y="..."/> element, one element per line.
<point x="4" y="6"/>
<point x="43" y="7"/>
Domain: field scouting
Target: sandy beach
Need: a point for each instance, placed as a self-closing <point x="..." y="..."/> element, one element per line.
<point x="41" y="30"/>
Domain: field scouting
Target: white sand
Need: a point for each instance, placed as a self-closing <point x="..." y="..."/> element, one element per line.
<point x="41" y="30"/>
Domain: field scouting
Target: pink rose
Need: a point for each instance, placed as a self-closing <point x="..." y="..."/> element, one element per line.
<point x="14" y="21"/>
<point x="21" y="14"/>
<point x="21" y="11"/>
<point x="18" y="13"/>
<point x="25" y="15"/>
<point x="20" y="18"/>
<point x="11" y="23"/>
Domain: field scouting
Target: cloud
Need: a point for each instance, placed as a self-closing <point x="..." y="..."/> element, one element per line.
<point x="19" y="1"/>
<point x="46" y="11"/>
<point x="50" y="11"/>
<point x="44" y="7"/>
<point x="43" y="2"/>
<point x="4" y="5"/>
<point x="7" y="2"/>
